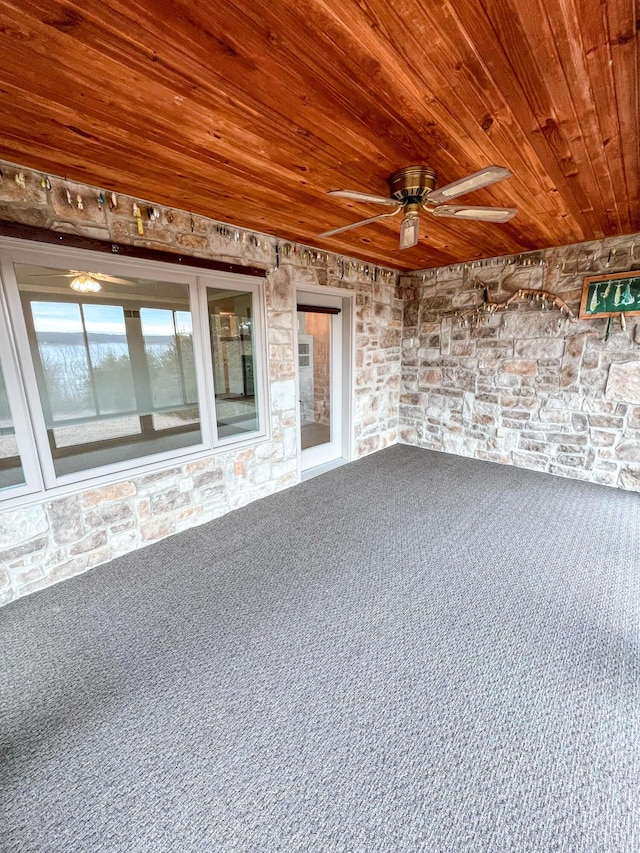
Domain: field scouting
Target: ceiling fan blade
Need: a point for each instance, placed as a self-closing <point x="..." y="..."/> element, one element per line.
<point x="486" y="176"/>
<point x="481" y="214"/>
<point x="52" y="274"/>
<point x="372" y="199"/>
<point x="75" y="273"/>
<point x="112" y="279"/>
<point x="358" y="224"/>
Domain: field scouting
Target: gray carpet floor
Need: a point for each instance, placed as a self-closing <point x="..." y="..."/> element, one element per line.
<point x="414" y="652"/>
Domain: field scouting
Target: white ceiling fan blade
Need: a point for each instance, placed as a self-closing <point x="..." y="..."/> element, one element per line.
<point x="482" y="214"/>
<point x="52" y="274"/>
<point x="112" y="279"/>
<point x="358" y="224"/>
<point x="76" y="273"/>
<point x="486" y="176"/>
<point x="372" y="199"/>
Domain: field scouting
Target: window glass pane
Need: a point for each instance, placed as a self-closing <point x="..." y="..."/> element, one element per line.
<point x="11" y="473"/>
<point x="109" y="357"/>
<point x="64" y="359"/>
<point x="232" y="346"/>
<point x="168" y="343"/>
<point x="115" y="365"/>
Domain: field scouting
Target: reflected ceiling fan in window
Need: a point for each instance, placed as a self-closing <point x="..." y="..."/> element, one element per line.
<point x="413" y="190"/>
<point x="84" y="282"/>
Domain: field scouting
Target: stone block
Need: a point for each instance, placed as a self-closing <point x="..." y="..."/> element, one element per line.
<point x="519" y="402"/>
<point x="110" y="514"/>
<point x="602" y="438"/>
<point x="283" y="395"/>
<point x="30" y="547"/>
<point x="269" y="451"/>
<point x="68" y="569"/>
<point x="571" y="460"/>
<point x="91" y="542"/>
<point x="629" y="478"/>
<point x="21" y="525"/>
<point x="534" y="462"/>
<point x="37" y="217"/>
<point x="390" y="338"/>
<point x="623" y="382"/>
<point x="574" y="345"/>
<point x="32" y="192"/>
<point x="207" y="478"/>
<point x="463" y="349"/>
<point x="192" y="241"/>
<point x="555" y="416"/>
<point x="65" y="517"/>
<point x="628" y="450"/>
<point x="539" y="348"/>
<point x="157" y="529"/>
<point x="580" y="423"/>
<point x="411" y="313"/>
<point x="633" y="419"/>
<point x="606" y="466"/>
<point x="166" y="502"/>
<point x="606" y="421"/>
<point x="521" y="367"/>
<point x="104" y="494"/>
<point x="430" y="377"/>
<point x="568" y="375"/>
<point x="91" y="211"/>
<point x="507" y="381"/>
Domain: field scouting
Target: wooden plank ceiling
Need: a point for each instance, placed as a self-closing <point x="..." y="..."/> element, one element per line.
<point x="250" y="111"/>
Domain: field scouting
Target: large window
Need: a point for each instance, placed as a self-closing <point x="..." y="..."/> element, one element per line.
<point x="127" y="364"/>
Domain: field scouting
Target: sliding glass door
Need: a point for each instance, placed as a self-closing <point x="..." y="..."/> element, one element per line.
<point x="320" y="378"/>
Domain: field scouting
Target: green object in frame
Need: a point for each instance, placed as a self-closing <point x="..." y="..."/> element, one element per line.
<point x="606" y="295"/>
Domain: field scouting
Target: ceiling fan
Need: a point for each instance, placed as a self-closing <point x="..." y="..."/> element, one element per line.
<point x="413" y="190"/>
<point x="84" y="282"/>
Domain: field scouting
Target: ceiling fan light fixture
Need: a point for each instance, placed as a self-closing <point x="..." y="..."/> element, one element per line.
<point x="409" y="231"/>
<point x="83" y="283"/>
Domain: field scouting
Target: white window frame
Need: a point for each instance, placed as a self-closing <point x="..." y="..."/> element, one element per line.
<point x="19" y="414"/>
<point x="22" y="387"/>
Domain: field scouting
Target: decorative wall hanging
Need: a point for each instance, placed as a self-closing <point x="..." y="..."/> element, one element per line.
<point x="144" y="210"/>
<point x="609" y="295"/>
<point x="545" y="300"/>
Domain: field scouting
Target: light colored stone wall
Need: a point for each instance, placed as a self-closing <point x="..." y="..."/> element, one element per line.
<point x="58" y="537"/>
<point x="528" y="387"/>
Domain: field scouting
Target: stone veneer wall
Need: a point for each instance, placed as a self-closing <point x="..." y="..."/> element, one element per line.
<point x="55" y="538"/>
<point x="527" y="388"/>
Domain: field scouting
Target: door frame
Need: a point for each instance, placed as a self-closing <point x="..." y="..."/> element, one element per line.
<point x="348" y="361"/>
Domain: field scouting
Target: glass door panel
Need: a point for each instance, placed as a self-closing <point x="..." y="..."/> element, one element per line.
<point x="314" y="366"/>
<point x="319" y="327"/>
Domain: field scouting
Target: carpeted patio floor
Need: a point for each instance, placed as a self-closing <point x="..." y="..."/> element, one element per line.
<point x="414" y="652"/>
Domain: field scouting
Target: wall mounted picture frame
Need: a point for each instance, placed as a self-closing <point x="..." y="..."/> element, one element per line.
<point x="610" y="295"/>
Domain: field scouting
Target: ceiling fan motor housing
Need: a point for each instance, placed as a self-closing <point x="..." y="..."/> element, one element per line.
<point x="412" y="183"/>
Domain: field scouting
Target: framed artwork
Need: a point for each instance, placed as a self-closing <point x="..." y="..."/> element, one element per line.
<point x="608" y="295"/>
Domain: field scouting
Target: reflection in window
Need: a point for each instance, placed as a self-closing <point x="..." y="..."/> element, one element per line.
<point x="115" y="369"/>
<point x="232" y="346"/>
<point x="11" y="473"/>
